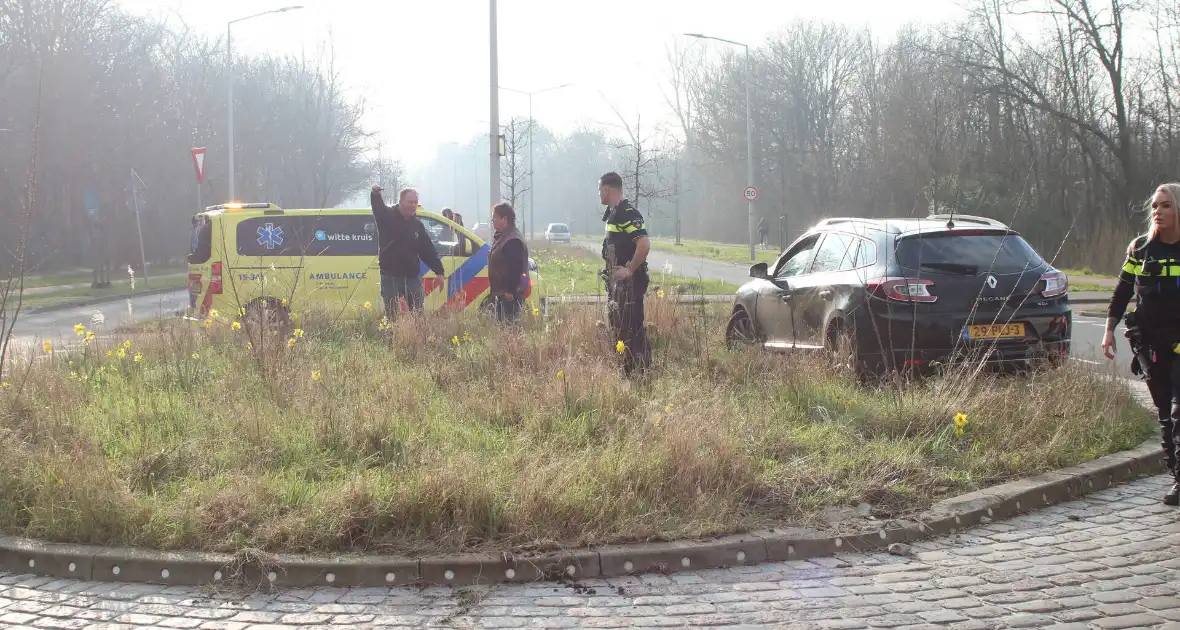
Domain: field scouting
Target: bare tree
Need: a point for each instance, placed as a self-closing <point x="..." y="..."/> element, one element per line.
<point x="514" y="171"/>
<point x="12" y="292"/>
<point x="641" y="173"/>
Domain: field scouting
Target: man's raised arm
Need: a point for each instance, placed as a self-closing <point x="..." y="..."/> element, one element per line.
<point x="377" y="202"/>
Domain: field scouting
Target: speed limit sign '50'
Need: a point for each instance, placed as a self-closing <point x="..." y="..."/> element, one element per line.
<point x="751" y="193"/>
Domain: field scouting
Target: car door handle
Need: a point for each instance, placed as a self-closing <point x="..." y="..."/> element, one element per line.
<point x="786" y="297"/>
<point x="825" y="294"/>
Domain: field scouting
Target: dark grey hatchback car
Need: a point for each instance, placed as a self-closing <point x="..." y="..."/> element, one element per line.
<point x="908" y="294"/>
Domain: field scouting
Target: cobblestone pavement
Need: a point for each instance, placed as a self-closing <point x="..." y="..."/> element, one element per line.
<point x="1108" y="561"/>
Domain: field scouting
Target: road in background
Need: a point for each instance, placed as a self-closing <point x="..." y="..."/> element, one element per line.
<point x="59" y="325"/>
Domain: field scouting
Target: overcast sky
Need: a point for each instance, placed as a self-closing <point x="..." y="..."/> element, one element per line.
<point x="422" y="65"/>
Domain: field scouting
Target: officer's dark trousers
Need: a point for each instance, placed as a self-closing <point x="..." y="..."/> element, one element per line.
<point x="626" y="321"/>
<point x="1164" y="385"/>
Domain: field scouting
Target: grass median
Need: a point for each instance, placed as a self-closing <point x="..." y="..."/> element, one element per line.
<point x="450" y="433"/>
<point x="573" y="270"/>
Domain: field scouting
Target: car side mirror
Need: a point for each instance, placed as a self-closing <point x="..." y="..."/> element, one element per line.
<point x="760" y="271"/>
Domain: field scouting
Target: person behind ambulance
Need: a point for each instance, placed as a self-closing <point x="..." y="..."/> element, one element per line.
<point x="402" y="241"/>
<point x="1152" y="272"/>
<point x="625" y="248"/>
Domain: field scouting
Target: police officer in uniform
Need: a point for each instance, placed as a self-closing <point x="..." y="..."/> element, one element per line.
<point x="625" y="249"/>
<point x="1152" y="272"/>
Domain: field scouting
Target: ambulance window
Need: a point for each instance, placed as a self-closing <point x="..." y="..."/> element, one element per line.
<point x="201" y="241"/>
<point x="447" y="241"/>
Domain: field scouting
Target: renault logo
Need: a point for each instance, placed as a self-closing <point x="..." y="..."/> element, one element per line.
<point x="991" y="282"/>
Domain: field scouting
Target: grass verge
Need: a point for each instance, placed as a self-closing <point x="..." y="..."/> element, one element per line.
<point x="442" y="434"/>
<point x="118" y="288"/>
<point x="573" y="270"/>
<point x="35" y="281"/>
<point x="726" y="252"/>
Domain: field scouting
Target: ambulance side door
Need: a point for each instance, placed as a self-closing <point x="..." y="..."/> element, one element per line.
<point x="465" y="263"/>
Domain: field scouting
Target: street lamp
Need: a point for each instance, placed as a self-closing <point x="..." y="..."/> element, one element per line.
<point x="532" y="173"/>
<point x="229" y="55"/>
<point x="749" y="135"/>
<point x="494" y="113"/>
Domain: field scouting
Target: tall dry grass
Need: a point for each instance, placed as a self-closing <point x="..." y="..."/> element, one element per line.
<point x="454" y="433"/>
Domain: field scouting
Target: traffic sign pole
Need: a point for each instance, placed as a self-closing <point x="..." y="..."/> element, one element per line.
<point x="751" y="194"/>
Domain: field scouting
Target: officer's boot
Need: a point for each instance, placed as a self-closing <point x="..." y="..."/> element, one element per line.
<point x="1167" y="428"/>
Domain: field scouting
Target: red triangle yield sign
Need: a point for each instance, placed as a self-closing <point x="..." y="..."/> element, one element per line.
<point x="199" y="163"/>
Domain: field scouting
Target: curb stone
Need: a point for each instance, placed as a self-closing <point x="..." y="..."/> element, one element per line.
<point x="95" y="563"/>
<point x="65" y="306"/>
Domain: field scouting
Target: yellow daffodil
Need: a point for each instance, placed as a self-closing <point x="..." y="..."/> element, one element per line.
<point x="298" y="333"/>
<point x="236" y="326"/>
<point x="315" y="375"/>
<point x="561" y="374"/>
<point x="455" y="340"/>
<point x="47" y="346"/>
<point x="660" y="293"/>
<point x="196" y="355"/>
<point x="291" y="342"/>
<point x="368" y="306"/>
<point x="283" y="302"/>
<point x="536" y="312"/>
<point x="122" y="353"/>
<point x="127" y="344"/>
<point x="213" y="314"/>
<point x="4" y="385"/>
<point x="620" y="347"/>
<point x="241" y="312"/>
<point x="960" y="420"/>
<point x="208" y="323"/>
<point x="138" y="357"/>
<point x="79" y="329"/>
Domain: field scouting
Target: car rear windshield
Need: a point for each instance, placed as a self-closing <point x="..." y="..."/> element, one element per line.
<point x="967" y="253"/>
<point x="557" y="227"/>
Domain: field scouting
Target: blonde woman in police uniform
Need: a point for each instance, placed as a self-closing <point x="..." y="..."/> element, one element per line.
<point x="1151" y="272"/>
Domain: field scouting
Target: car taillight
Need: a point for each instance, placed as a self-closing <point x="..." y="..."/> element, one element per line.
<point x="215" y="278"/>
<point x="902" y="289"/>
<point x="1056" y="283"/>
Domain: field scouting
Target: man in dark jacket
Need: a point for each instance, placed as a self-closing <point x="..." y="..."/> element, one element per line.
<point x="402" y="242"/>
<point x="508" y="262"/>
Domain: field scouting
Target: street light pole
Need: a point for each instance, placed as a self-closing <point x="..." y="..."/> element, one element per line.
<point x="229" y="56"/>
<point x="532" y="172"/>
<point x="749" y="132"/>
<point x="494" y="115"/>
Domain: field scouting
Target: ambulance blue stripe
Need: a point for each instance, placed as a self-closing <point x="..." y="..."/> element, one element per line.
<point x="468" y="270"/>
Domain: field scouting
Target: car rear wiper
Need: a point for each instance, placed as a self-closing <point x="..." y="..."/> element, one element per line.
<point x="968" y="270"/>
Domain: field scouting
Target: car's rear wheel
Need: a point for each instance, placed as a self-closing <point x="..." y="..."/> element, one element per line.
<point x="740" y="330"/>
<point x="840" y="348"/>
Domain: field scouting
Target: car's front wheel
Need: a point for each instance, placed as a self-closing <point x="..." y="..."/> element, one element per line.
<point x="740" y="330"/>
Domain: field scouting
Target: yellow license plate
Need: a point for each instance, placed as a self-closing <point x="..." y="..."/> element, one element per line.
<point x="995" y="331"/>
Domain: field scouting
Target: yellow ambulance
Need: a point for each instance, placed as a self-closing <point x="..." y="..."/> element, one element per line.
<point x="248" y="255"/>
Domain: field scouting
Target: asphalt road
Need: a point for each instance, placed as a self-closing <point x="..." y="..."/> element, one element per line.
<point x="58" y="326"/>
